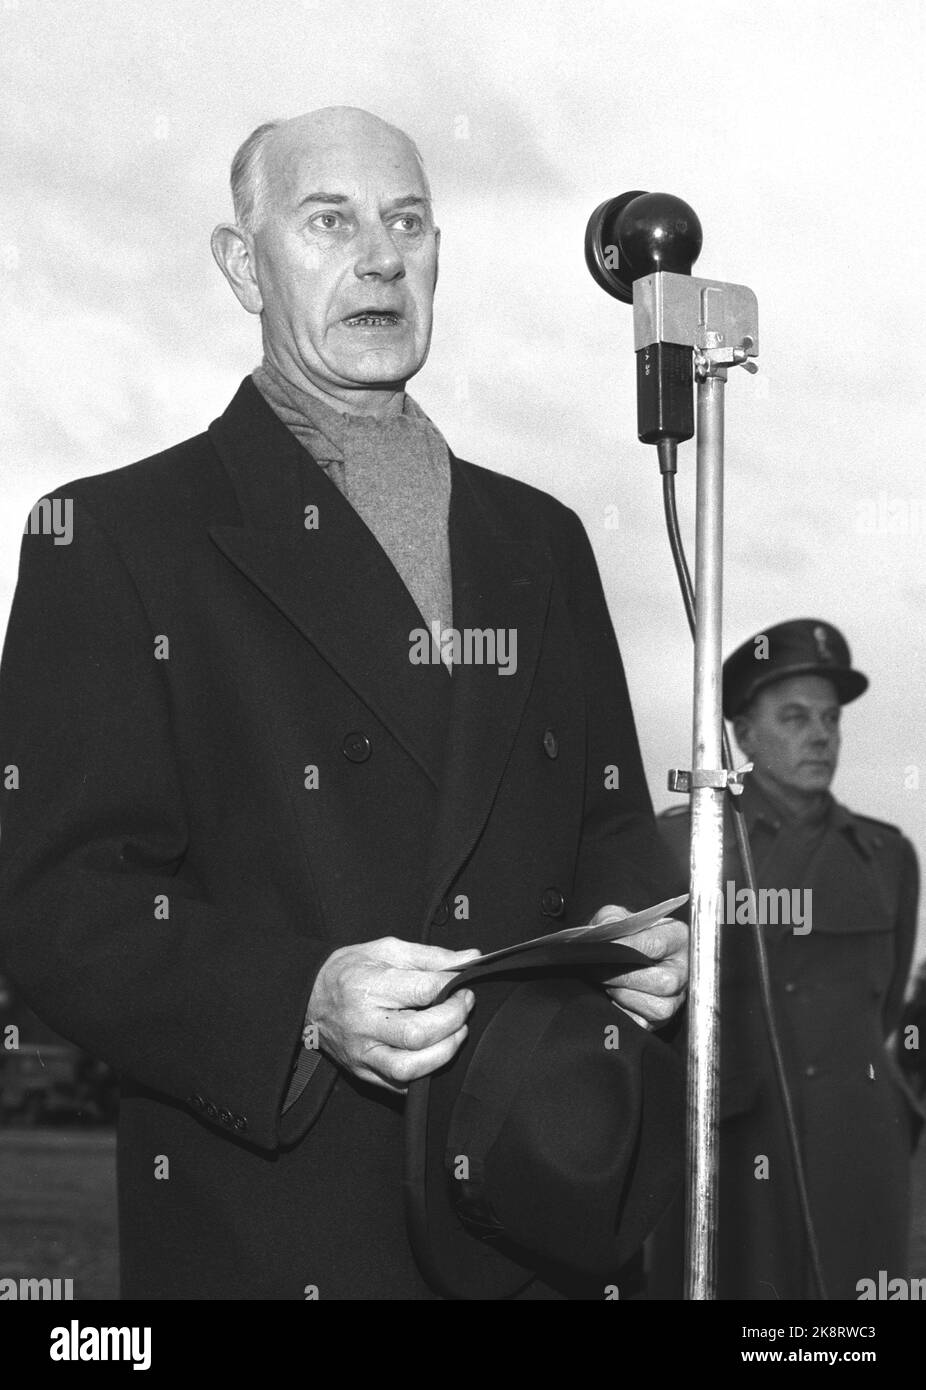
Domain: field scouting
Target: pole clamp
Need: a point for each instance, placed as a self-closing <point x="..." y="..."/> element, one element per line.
<point x="723" y="778"/>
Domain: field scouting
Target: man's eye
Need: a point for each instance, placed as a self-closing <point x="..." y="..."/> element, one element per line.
<point x="326" y="221"/>
<point x="408" y="222"/>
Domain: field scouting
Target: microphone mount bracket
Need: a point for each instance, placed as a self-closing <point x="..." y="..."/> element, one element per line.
<point x="681" y="780"/>
<point x="719" y="321"/>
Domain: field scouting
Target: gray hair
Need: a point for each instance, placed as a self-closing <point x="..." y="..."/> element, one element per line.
<point x="247" y="177"/>
<point x="247" y="174"/>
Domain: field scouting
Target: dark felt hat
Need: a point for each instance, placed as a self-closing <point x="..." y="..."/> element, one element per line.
<point x="802" y="647"/>
<point x="554" y="1140"/>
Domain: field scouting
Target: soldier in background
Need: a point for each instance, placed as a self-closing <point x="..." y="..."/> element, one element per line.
<point x="839" y="941"/>
<point x="911" y="1037"/>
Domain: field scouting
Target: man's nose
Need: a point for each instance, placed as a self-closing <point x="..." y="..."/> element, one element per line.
<point x="377" y="254"/>
<point x="820" y="732"/>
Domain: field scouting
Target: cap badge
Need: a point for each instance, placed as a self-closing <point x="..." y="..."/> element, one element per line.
<point x="821" y="637"/>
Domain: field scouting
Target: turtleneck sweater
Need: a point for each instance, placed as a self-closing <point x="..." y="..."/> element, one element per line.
<point x="395" y="473"/>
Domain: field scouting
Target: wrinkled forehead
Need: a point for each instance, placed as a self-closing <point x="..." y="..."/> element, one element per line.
<point x="372" y="163"/>
<point x="813" y="692"/>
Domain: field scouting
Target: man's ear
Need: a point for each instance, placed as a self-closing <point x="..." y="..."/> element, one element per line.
<point x="233" y="252"/>
<point x="437" y="256"/>
<point x="742" y="732"/>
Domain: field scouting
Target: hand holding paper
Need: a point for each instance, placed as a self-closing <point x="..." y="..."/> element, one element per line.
<point x="653" y="994"/>
<point x="608" y="924"/>
<point x="650" y="994"/>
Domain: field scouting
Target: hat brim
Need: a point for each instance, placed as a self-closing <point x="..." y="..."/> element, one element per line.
<point x="456" y="1263"/>
<point x="848" y="684"/>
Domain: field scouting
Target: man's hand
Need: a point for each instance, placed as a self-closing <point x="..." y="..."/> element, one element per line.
<point x="651" y="995"/>
<point x="370" y="1003"/>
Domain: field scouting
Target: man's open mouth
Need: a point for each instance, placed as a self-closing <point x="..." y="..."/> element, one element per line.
<point x="373" y="318"/>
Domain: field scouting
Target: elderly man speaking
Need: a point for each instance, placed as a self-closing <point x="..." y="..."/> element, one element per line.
<point x="250" y="837"/>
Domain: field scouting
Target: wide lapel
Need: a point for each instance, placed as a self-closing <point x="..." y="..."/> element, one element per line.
<point x="334" y="582"/>
<point x="846" y="893"/>
<point x="499" y="582"/>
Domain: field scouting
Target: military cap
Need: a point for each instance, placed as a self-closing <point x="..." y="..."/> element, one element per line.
<point x="802" y="647"/>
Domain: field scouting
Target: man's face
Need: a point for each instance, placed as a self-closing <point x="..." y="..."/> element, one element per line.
<point x="791" y="733"/>
<point x="345" y="255"/>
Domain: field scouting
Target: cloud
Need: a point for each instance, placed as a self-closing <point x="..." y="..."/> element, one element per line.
<point x="799" y="155"/>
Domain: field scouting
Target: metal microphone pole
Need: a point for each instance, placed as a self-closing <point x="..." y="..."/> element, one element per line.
<point x="640" y="248"/>
<point x="706" y="852"/>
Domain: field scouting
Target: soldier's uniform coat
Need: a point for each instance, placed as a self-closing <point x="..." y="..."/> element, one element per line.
<point x="171" y="878"/>
<point x="838" y="993"/>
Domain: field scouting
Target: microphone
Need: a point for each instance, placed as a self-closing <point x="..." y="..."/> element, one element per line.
<point x="628" y="237"/>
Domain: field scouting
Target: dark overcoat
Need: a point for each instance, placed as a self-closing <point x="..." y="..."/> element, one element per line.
<point x="838" y="992"/>
<point x="226" y="766"/>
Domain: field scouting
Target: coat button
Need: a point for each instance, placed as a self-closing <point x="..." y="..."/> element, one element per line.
<point x="810" y="1070"/>
<point x="790" y="986"/>
<point x="357" y="747"/>
<point x="240" y="1123"/>
<point x="225" y="1116"/>
<point x="442" y="912"/>
<point x="550" y="743"/>
<point x="197" y="1102"/>
<point x="210" y="1111"/>
<point x="552" y="902"/>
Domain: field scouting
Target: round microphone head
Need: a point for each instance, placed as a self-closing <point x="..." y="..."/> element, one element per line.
<point x="603" y="254"/>
<point x="636" y="234"/>
<point x="659" y="232"/>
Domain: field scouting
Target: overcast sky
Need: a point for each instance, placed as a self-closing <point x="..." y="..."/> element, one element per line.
<point x="795" y="128"/>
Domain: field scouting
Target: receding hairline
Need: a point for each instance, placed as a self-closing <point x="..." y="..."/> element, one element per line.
<point x="248" y="165"/>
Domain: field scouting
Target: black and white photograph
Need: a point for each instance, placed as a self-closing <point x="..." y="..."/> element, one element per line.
<point x="463" y="602"/>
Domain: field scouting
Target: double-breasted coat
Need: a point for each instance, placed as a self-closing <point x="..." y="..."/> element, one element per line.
<point x="225" y="765"/>
<point x="839" y="955"/>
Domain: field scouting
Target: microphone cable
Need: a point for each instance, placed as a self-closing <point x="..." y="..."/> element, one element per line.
<point x="668" y="450"/>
